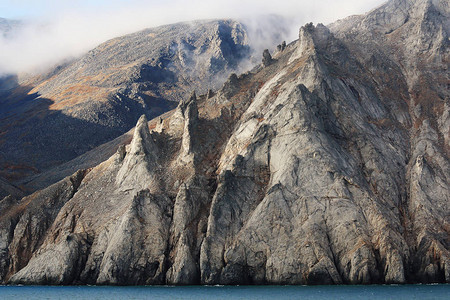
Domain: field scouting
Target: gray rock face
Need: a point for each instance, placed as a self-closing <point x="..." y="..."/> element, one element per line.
<point x="422" y="28"/>
<point x="325" y="167"/>
<point x="24" y="223"/>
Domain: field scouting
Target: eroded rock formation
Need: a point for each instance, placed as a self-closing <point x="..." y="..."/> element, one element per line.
<point x="325" y="166"/>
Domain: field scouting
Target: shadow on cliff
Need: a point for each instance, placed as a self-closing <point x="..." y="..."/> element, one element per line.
<point x="34" y="137"/>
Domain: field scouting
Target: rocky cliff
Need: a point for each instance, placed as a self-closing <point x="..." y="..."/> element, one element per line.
<point x="327" y="164"/>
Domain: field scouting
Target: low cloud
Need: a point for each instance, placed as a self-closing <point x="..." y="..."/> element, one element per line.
<point x="66" y="31"/>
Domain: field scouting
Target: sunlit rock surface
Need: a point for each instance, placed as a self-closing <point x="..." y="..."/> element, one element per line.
<point x="329" y="165"/>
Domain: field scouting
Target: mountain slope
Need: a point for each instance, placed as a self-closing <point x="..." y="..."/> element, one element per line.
<point x="52" y="118"/>
<point x="314" y="168"/>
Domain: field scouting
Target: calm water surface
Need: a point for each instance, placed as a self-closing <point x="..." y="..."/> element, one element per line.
<point x="397" y="292"/>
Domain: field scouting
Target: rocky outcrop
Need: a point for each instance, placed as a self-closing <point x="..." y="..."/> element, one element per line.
<point x="267" y="58"/>
<point x="324" y="167"/>
<point x="124" y="245"/>
<point x="190" y="115"/>
<point x="140" y="162"/>
<point x="24" y="224"/>
<point x="282" y="46"/>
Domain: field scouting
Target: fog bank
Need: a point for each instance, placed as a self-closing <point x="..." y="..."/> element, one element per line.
<point x="66" y="29"/>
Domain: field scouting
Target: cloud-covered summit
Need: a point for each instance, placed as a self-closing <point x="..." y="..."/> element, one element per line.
<point x="64" y="29"/>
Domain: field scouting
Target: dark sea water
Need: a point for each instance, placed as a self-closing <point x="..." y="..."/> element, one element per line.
<point x="397" y="292"/>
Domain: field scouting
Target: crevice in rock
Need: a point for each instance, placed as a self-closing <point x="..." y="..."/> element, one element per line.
<point x="333" y="255"/>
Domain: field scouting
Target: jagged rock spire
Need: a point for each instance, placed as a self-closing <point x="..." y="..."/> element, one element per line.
<point x="142" y="142"/>
<point x="190" y="123"/>
<point x="282" y="46"/>
<point x="310" y="39"/>
<point x="191" y="112"/>
<point x="137" y="171"/>
<point x="311" y="185"/>
<point x="185" y="102"/>
<point x="160" y="125"/>
<point x="192" y="97"/>
<point x="186" y="109"/>
<point x="267" y="58"/>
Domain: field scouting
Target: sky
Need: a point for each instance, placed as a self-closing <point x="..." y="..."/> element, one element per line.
<point x="55" y="30"/>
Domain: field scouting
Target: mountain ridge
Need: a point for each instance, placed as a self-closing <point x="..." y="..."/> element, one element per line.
<point x="52" y="118"/>
<point x="323" y="165"/>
